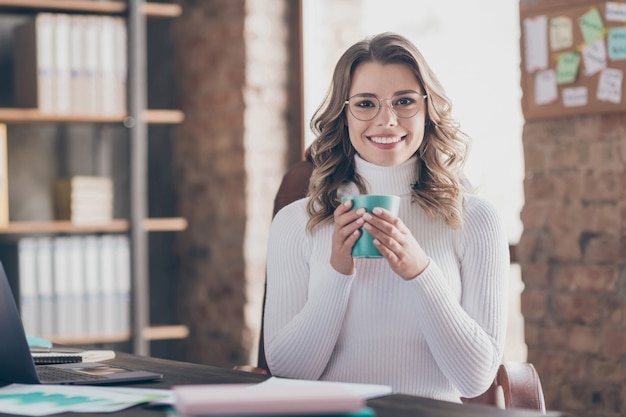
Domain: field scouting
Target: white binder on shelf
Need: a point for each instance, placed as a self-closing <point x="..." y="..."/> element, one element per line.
<point x="76" y="288"/>
<point x="110" y="313"/>
<point x="78" y="76"/>
<point x="123" y="284"/>
<point x="93" y="290"/>
<point x="29" y="299"/>
<point x="45" y="285"/>
<point x="61" y="75"/>
<point x="92" y="73"/>
<point x="121" y="64"/>
<point x="61" y="281"/>
<point x="108" y="86"/>
<point x="33" y="63"/>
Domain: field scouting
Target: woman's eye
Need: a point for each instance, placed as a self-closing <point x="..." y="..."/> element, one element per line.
<point x="405" y="101"/>
<point x="365" y="104"/>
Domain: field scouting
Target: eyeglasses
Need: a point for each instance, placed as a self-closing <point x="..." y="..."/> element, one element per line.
<point x="366" y="106"/>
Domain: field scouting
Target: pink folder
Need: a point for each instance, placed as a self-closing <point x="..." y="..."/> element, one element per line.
<point x="256" y="399"/>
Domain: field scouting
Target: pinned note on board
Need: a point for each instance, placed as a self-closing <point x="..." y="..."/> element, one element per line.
<point x="574" y="58"/>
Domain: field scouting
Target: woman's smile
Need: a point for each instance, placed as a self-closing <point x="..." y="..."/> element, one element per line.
<point x="386" y="140"/>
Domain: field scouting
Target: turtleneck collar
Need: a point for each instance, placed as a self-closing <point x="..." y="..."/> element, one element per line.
<point x="394" y="180"/>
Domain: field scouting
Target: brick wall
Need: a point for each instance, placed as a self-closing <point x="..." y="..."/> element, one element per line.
<point x="572" y="254"/>
<point x="573" y="261"/>
<point x="230" y="154"/>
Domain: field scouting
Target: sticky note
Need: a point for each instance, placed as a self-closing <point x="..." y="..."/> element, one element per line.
<point x="561" y="34"/>
<point x="567" y="67"/>
<point x="591" y="25"/>
<point x="616" y="39"/>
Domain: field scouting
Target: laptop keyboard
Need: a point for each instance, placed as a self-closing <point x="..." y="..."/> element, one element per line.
<point x="52" y="374"/>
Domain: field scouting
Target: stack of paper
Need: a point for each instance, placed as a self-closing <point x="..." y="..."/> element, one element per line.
<point x="259" y="399"/>
<point x="84" y="200"/>
<point x="279" y="396"/>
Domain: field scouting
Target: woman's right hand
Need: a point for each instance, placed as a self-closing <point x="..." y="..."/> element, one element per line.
<point x="346" y="233"/>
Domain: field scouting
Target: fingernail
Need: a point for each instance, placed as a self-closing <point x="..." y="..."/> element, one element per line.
<point x="347" y="203"/>
<point x="367" y="216"/>
<point x="359" y="220"/>
<point x="377" y="210"/>
<point x="360" y="211"/>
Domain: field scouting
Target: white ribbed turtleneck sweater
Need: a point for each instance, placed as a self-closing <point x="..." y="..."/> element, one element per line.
<point x="439" y="335"/>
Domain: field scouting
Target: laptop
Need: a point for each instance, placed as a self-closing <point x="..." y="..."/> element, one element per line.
<point x="16" y="362"/>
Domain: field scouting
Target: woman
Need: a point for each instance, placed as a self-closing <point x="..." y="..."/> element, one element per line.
<point x="429" y="317"/>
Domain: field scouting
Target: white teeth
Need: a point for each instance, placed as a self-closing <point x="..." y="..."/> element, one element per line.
<point x="386" y="140"/>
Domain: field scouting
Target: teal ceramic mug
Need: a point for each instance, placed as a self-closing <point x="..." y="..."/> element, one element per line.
<point x="364" y="247"/>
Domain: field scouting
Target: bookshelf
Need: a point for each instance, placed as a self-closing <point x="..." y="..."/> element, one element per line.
<point x="151" y="10"/>
<point x="19" y="115"/>
<point x="136" y="120"/>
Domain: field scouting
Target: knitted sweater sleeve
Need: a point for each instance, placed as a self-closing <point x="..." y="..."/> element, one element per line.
<point x="466" y="337"/>
<point x="302" y="319"/>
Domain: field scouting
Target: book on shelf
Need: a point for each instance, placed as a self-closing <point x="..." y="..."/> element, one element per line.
<point x="84" y="200"/>
<point x="28" y="298"/>
<point x="71" y="64"/>
<point x="45" y="286"/>
<point x="33" y="46"/>
<point x="71" y="287"/>
<point x="61" y="70"/>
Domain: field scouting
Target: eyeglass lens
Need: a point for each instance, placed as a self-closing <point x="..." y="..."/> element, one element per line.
<point x="367" y="106"/>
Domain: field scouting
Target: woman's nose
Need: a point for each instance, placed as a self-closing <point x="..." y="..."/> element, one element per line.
<point x="386" y="115"/>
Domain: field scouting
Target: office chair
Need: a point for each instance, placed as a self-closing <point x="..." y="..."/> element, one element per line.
<point x="518" y="382"/>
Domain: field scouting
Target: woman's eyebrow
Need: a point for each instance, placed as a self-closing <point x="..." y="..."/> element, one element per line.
<point x="364" y="94"/>
<point x="407" y="92"/>
<point x="399" y="92"/>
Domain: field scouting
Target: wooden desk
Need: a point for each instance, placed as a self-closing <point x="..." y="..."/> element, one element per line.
<point x="180" y="373"/>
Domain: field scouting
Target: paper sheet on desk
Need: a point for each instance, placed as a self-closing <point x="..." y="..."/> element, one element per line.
<point x="365" y="391"/>
<point x="41" y="400"/>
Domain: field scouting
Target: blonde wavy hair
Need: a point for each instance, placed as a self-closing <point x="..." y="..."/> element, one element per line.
<point x="441" y="155"/>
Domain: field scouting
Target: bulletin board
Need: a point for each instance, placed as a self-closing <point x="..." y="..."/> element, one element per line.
<point x="573" y="60"/>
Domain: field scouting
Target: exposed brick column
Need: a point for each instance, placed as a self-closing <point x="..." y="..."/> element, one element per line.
<point x="572" y="254"/>
<point x="230" y="154"/>
<point x="267" y="102"/>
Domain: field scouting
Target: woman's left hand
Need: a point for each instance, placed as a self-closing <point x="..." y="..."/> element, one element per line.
<point x="396" y="243"/>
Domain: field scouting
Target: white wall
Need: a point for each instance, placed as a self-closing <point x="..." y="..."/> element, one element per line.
<point x="473" y="47"/>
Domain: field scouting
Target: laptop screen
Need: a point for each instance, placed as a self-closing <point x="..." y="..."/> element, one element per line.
<point x="16" y="362"/>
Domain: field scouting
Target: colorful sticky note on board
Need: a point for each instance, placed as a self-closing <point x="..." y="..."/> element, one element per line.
<point x="615" y="12"/>
<point x="591" y="25"/>
<point x="594" y="57"/>
<point x="545" y="87"/>
<point x="567" y="67"/>
<point x="536" y="43"/>
<point x="561" y="33"/>
<point x="616" y="39"/>
<point x="610" y="85"/>
<point x="575" y="96"/>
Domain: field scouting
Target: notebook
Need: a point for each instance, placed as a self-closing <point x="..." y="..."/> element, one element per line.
<point x="16" y="362"/>
<point x="71" y="356"/>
